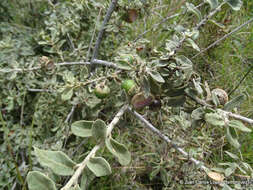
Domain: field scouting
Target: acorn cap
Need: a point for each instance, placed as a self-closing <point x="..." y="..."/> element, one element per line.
<point x="221" y="94"/>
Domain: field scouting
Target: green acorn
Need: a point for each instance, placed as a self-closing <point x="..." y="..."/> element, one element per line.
<point x="102" y="91"/>
<point x="129" y="86"/>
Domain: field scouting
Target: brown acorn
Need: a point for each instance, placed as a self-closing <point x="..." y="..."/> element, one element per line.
<point x="221" y="94"/>
<point x="139" y="101"/>
<point x="155" y="105"/>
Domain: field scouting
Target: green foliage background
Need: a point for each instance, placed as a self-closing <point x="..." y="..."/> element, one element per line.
<point x="62" y="31"/>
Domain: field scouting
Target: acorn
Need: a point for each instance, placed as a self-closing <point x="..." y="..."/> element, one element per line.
<point x="102" y="91"/>
<point x="221" y="94"/>
<point x="129" y="86"/>
<point x="155" y="105"/>
<point x="139" y="101"/>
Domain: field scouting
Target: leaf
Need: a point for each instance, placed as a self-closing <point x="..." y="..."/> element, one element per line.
<point x="58" y="161"/>
<point x="156" y="76"/>
<point x="215" y="176"/>
<point x="215" y="99"/>
<point x="198" y="113"/>
<point x="198" y="87"/>
<point x="87" y="178"/>
<point x="234" y="102"/>
<point x="232" y="155"/>
<point x="234" y="142"/>
<point x="214" y="119"/>
<point x="118" y="150"/>
<point x="176" y="101"/>
<point x="193" y="44"/>
<point x="213" y="3"/>
<point x="82" y="128"/>
<point x="99" y="166"/>
<point x="92" y="101"/>
<point x="37" y="180"/>
<point x="67" y="94"/>
<point x="165" y="177"/>
<point x="229" y="171"/>
<point x="98" y="130"/>
<point x="184" y="61"/>
<point x="239" y="125"/>
<point x="194" y="10"/>
<point x="234" y="4"/>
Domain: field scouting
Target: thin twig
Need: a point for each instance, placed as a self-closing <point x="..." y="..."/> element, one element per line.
<point x="101" y="32"/>
<point x="169" y="16"/>
<point x="71" y="42"/>
<point x="19" y="70"/>
<point x="70" y="114"/>
<point x="95" y="62"/>
<point x="245" y="119"/>
<point x="82" y="165"/>
<point x="211" y="14"/>
<point x="240" y="82"/>
<point x="105" y="63"/>
<point x="155" y="25"/>
<point x="223" y="38"/>
<point x="93" y="35"/>
<point x="165" y="138"/>
<point x="38" y="90"/>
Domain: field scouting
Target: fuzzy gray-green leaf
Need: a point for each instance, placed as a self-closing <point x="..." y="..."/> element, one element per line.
<point x="99" y="130"/>
<point x="239" y="125"/>
<point x="235" y="4"/>
<point x="194" y="10"/>
<point x="213" y="3"/>
<point x="58" y="161"/>
<point x="37" y="180"/>
<point x="118" y="150"/>
<point x="99" y="166"/>
<point x="82" y="128"/>
<point x="234" y="102"/>
<point x="214" y="119"/>
<point x="156" y="76"/>
<point x="234" y="142"/>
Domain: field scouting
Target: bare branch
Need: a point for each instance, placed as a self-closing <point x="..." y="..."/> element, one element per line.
<point x="245" y="119"/>
<point x="82" y="165"/>
<point x="93" y="35"/>
<point x="38" y="90"/>
<point x="211" y="14"/>
<point x="70" y="114"/>
<point x="224" y="37"/>
<point x="165" y="138"/>
<point x="155" y="25"/>
<point x="240" y="82"/>
<point x="101" y="32"/>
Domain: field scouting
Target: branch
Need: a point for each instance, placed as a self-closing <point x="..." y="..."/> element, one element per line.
<point x="204" y="103"/>
<point x="95" y="62"/>
<point x="245" y="119"/>
<point x="212" y="13"/>
<point x="240" y="82"/>
<point x="223" y="38"/>
<point x="105" y="63"/>
<point x="101" y="32"/>
<point x="155" y="25"/>
<point x="165" y="138"/>
<point x="82" y="165"/>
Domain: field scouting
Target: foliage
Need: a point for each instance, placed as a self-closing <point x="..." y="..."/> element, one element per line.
<point x="51" y="118"/>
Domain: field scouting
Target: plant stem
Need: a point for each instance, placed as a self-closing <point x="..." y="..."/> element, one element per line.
<point x="165" y="138"/>
<point x="224" y="37"/>
<point x="101" y="32"/>
<point x="82" y="165"/>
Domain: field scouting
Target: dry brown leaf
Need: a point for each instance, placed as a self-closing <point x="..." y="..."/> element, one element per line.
<point x="216" y="176"/>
